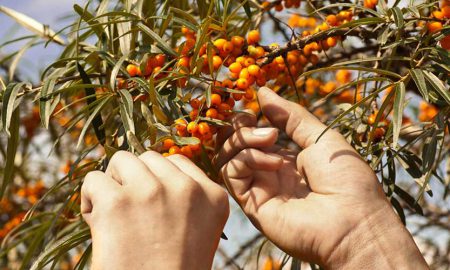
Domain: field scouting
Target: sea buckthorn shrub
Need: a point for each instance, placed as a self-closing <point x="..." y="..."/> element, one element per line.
<point x="167" y="76"/>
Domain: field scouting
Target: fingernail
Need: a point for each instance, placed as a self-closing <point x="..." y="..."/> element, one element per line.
<point x="262" y="131"/>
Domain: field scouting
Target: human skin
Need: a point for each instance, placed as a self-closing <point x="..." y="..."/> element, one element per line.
<point x="152" y="212"/>
<point x="323" y="204"/>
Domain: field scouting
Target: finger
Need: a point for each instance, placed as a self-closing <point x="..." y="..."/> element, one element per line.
<point x="238" y="121"/>
<point x="303" y="127"/>
<point x="96" y="186"/>
<point x="185" y="165"/>
<point x="245" y="138"/>
<point x="334" y="163"/>
<point x="127" y="169"/>
<point x="238" y="172"/>
<point x="161" y="167"/>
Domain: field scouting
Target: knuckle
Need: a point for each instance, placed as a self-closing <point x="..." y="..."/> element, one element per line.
<point x="149" y="155"/>
<point x="151" y="192"/>
<point x="119" y="156"/>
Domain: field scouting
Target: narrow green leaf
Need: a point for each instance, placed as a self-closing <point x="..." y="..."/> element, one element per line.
<point x="91" y="117"/>
<point x="160" y="42"/>
<point x="9" y="102"/>
<point x="398" y="17"/>
<point x="115" y="71"/>
<point x="134" y="142"/>
<point x="97" y="122"/>
<point x="45" y="102"/>
<point x="13" y="143"/>
<point x="399" y="105"/>
<point x="437" y="85"/>
<point x="429" y="151"/>
<point x="419" y="79"/>
<point x="126" y="110"/>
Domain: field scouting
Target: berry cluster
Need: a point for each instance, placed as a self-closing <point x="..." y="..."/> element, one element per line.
<point x="435" y="26"/>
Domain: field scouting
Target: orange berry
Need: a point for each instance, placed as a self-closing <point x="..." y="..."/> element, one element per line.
<point x="192" y="127"/>
<point x="237" y="96"/>
<point x="193" y="114"/>
<point x="279" y="7"/>
<point x="195" y="147"/>
<point x="434" y="27"/>
<point x="224" y="108"/>
<point x="332" y="20"/>
<point x="183" y="62"/>
<point x="227" y="83"/>
<point x="165" y="154"/>
<point x="343" y="76"/>
<point x="228" y="47"/>
<point x="244" y="74"/>
<point x="167" y="143"/>
<point x="133" y="70"/>
<point x="203" y="128"/>
<point x="249" y="93"/>
<point x="230" y="102"/>
<point x="242" y="83"/>
<point x="180" y="124"/>
<point x="174" y="150"/>
<point x="249" y="61"/>
<point x="253" y="70"/>
<point x="235" y="67"/>
<point x="211" y="113"/>
<point x="253" y="37"/>
<point x="446" y="12"/>
<point x="238" y="41"/>
<point x="160" y="59"/>
<point x="445" y="43"/>
<point x="217" y="62"/>
<point x="331" y="42"/>
<point x="219" y="43"/>
<point x="195" y="103"/>
<point x="438" y="14"/>
<point x="216" y="99"/>
<point x="186" y="151"/>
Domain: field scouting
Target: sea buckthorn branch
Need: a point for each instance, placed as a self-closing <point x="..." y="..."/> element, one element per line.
<point x="299" y="43"/>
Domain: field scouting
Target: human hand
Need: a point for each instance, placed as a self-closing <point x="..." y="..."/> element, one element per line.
<point x="151" y="212"/>
<point x="324" y="204"/>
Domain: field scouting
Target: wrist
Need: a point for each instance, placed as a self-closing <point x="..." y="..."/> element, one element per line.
<point x="379" y="241"/>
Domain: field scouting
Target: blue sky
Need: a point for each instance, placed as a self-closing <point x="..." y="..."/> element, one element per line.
<point x="49" y="12"/>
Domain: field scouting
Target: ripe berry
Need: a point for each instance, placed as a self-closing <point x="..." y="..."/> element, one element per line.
<point x="254" y="70"/>
<point x="253" y="37"/>
<point x="192" y="127"/>
<point x="219" y="43"/>
<point x="445" y="42"/>
<point x="174" y="150"/>
<point x="195" y="103"/>
<point x="332" y="20"/>
<point x="160" y="59"/>
<point x="216" y="99"/>
<point x="212" y="113"/>
<point x="133" y="70"/>
<point x="180" y="124"/>
<point x="446" y="12"/>
<point x="434" y="27"/>
<point x="217" y="62"/>
<point x="235" y="67"/>
<point x="193" y="114"/>
<point x="242" y="83"/>
<point x="203" y="128"/>
<point x="186" y="151"/>
<point x="227" y="83"/>
<point x="167" y="143"/>
<point x="238" y="41"/>
<point x="228" y="47"/>
<point x="343" y="76"/>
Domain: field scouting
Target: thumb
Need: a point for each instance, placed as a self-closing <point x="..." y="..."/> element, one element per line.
<point x="303" y="127"/>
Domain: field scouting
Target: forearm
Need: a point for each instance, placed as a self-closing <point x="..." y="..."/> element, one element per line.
<point x="379" y="242"/>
